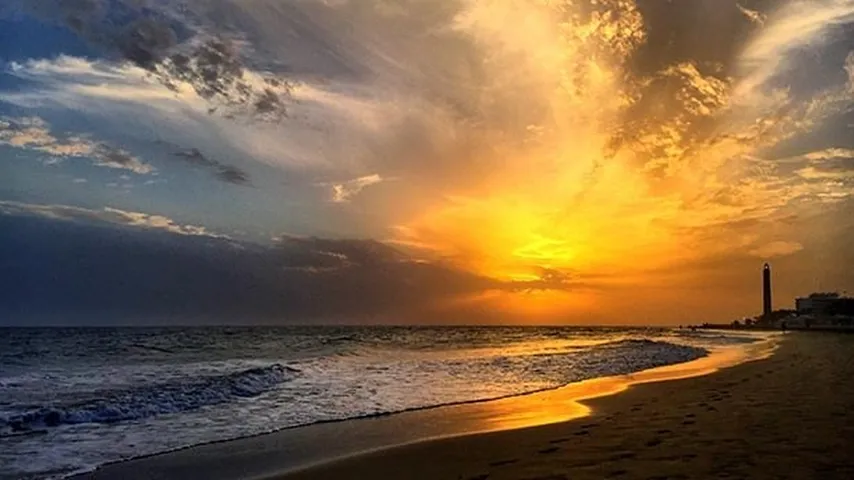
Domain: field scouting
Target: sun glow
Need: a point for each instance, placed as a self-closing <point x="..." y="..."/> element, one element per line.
<point x="611" y="173"/>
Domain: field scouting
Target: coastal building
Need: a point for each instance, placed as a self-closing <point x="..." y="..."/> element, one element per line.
<point x="818" y="303"/>
<point x="766" y="291"/>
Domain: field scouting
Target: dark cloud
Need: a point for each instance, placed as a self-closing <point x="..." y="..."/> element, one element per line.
<point x="149" y="272"/>
<point x="224" y="172"/>
<point x="174" y="49"/>
<point x="710" y="32"/>
<point x="231" y="174"/>
<point x="134" y="272"/>
<point x="338" y="253"/>
<point x="145" y="42"/>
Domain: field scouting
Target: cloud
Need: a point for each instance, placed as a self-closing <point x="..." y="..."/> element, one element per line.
<point x="849" y="69"/>
<point x="106" y="156"/>
<point x="798" y="25"/>
<point x="753" y="15"/>
<point x="33" y="133"/>
<point x="226" y="173"/>
<point x="326" y="127"/>
<point x="829" y="154"/>
<point x="777" y="249"/>
<point x="825" y="175"/>
<point x="343" y="192"/>
<point x="324" y="254"/>
<point x="107" y="215"/>
<point x="138" y="219"/>
<point x="213" y="69"/>
<point x="531" y="139"/>
<point x="173" y="48"/>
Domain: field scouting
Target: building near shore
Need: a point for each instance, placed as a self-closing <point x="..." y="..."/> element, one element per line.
<point x="822" y="304"/>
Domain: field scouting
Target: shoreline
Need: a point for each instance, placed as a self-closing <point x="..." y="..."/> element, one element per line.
<point x="786" y="416"/>
<point x="302" y="448"/>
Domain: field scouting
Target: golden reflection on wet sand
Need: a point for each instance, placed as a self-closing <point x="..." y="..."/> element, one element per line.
<point x="566" y="403"/>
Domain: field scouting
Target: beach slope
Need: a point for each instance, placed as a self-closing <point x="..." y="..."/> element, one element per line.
<point x="788" y="416"/>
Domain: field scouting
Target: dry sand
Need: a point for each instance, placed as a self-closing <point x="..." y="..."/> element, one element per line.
<point x="789" y="416"/>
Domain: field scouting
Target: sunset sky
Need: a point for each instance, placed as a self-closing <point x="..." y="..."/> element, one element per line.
<point x="423" y="161"/>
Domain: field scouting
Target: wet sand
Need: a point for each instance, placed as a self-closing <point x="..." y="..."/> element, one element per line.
<point x="790" y="416"/>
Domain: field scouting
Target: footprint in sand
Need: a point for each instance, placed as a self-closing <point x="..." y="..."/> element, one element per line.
<point x="549" y="450"/>
<point x="499" y="463"/>
<point x="654" y="442"/>
<point x="482" y="476"/>
<point x="616" y="473"/>
<point x="559" y="440"/>
<point x="622" y="456"/>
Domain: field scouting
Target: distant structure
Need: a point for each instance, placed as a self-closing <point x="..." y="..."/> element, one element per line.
<point x="766" y="291"/>
<point x="820" y="303"/>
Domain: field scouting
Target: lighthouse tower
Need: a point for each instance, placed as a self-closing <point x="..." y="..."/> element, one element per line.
<point x="766" y="291"/>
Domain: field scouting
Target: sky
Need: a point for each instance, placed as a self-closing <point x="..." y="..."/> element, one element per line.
<point x="422" y="161"/>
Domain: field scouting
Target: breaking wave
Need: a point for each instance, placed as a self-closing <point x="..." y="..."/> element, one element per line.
<point x="150" y="400"/>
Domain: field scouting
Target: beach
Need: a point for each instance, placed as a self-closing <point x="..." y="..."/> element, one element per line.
<point x="785" y="416"/>
<point x="788" y="416"/>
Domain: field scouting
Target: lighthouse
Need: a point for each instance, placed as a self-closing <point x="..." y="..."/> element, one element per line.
<point x="766" y="291"/>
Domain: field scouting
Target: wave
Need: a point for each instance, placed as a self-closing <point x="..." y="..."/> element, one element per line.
<point x="150" y="400"/>
<point x="710" y="338"/>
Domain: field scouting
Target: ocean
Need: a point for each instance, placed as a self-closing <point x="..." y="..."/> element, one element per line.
<point x="75" y="398"/>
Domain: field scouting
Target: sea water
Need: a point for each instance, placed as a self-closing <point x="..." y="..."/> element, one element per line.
<point x="73" y="399"/>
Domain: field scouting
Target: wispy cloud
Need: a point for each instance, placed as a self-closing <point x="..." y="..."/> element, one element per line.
<point x="33" y="133"/>
<point x="107" y="215"/>
<point x="799" y="24"/>
<point x="145" y="220"/>
<point x="753" y="15"/>
<point x="325" y="126"/>
<point x="343" y="192"/>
